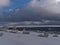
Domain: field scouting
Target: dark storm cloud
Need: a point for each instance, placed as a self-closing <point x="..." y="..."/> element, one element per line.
<point x="47" y="9"/>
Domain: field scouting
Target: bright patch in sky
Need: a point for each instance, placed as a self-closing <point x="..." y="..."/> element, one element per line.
<point x="57" y="0"/>
<point x="4" y="3"/>
<point x="52" y="6"/>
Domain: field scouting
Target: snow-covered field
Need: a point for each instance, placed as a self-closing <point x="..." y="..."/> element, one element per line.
<point x="24" y="39"/>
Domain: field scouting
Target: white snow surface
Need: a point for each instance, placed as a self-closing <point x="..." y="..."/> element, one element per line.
<point x="24" y="39"/>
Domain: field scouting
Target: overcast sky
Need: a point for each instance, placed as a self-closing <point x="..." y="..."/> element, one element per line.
<point x="52" y="6"/>
<point x="46" y="9"/>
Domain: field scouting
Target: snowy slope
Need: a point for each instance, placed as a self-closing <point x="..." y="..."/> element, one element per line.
<point x="31" y="39"/>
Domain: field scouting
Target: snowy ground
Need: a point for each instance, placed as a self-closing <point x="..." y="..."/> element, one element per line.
<point x="31" y="39"/>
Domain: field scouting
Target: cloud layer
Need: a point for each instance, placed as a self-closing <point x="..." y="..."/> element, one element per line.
<point x="4" y="3"/>
<point x="50" y="5"/>
<point x="47" y="11"/>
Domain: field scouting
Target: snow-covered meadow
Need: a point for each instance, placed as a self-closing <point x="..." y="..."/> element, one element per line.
<point x="27" y="39"/>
